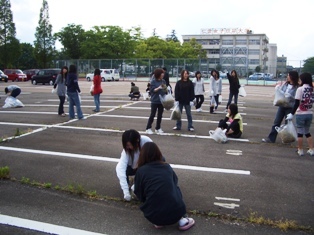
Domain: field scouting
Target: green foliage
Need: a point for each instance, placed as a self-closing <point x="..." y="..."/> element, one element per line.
<point x="27" y="59"/>
<point x="4" y="172"/>
<point x="258" y="69"/>
<point x="308" y="65"/>
<point x="45" y="42"/>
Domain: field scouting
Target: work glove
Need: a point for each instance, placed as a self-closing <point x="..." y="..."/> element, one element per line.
<point x="191" y="103"/>
<point x="127" y="195"/>
<point x="133" y="187"/>
<point x="53" y="91"/>
<point x="289" y="116"/>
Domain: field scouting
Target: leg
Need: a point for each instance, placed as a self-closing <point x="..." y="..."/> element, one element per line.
<point x="229" y="100"/>
<point x="62" y="100"/>
<point x="216" y="99"/>
<point x="153" y="109"/>
<point x="197" y="106"/>
<point x="222" y="124"/>
<point x="179" y="122"/>
<point x="189" y="115"/>
<point x="78" y="106"/>
<point x="201" y="101"/>
<point x="280" y="115"/>
<point x="236" y="98"/>
<point x="16" y="92"/>
<point x="159" y="116"/>
<point x="71" y="106"/>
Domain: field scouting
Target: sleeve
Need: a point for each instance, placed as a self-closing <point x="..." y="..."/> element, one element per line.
<point x="57" y="81"/>
<point x="77" y="85"/>
<point x="192" y="92"/>
<point x="138" y="187"/>
<point x="121" y="171"/>
<point x="153" y="86"/>
<point x="177" y="91"/>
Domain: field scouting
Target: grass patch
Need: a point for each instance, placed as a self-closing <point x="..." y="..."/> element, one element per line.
<point x="4" y="172"/>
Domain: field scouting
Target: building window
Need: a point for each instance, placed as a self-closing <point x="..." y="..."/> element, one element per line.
<point x="213" y="60"/>
<point x="214" y="41"/>
<point x="254" y="42"/>
<point x="214" y="51"/>
<point x="253" y="61"/>
<point x="227" y="42"/>
<point x="241" y="42"/>
<point x="254" y="52"/>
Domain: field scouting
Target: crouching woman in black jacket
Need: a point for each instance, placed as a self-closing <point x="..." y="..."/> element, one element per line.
<point x="235" y="128"/>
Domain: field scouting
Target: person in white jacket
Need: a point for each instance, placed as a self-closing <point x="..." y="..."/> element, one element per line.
<point x="132" y="142"/>
<point x="199" y="90"/>
<point x="215" y="87"/>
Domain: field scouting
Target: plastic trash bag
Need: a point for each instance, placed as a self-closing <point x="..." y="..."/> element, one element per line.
<point x="287" y="132"/>
<point x="218" y="135"/>
<point x="242" y="91"/>
<point x="212" y="102"/>
<point x="167" y="101"/>
<point x="176" y="113"/>
<point x="281" y="99"/>
<point x="11" y="102"/>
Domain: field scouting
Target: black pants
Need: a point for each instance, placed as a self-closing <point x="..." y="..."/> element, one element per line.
<point x="199" y="101"/>
<point x="62" y="100"/>
<point x="236" y="129"/>
<point x="153" y="109"/>
<point x="15" y="92"/>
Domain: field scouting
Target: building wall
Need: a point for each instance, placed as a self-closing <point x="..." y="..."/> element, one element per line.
<point x="272" y="59"/>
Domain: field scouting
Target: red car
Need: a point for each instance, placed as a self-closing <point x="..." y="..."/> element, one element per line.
<point x="30" y="72"/>
<point x="15" y="75"/>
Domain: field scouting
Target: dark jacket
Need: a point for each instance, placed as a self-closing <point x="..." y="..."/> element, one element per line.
<point x="156" y="187"/>
<point x="72" y="83"/>
<point x="166" y="78"/>
<point x="184" y="92"/>
<point x="234" y="84"/>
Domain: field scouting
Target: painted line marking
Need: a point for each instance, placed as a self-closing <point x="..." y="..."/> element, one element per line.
<point x="234" y="152"/>
<point x="108" y="159"/>
<point x="228" y="199"/>
<point x="227" y="205"/>
<point x="42" y="227"/>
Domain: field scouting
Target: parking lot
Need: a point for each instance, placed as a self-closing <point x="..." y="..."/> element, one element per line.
<point x="235" y="180"/>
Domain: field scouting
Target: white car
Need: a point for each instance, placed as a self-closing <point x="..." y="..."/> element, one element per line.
<point x="104" y="73"/>
<point x="115" y="75"/>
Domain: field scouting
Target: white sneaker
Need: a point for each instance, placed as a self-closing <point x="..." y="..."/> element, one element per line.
<point x="310" y="152"/>
<point x="149" y="131"/>
<point x="159" y="131"/>
<point x="300" y="152"/>
<point x="191" y="129"/>
<point x="198" y="110"/>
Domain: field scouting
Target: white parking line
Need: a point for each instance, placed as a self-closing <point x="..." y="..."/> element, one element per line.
<point x="108" y="159"/>
<point x="43" y="227"/>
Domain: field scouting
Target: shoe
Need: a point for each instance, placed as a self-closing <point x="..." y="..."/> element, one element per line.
<point x="159" y="131"/>
<point x="149" y="131"/>
<point x="191" y="129"/>
<point x="310" y="152"/>
<point x="266" y="140"/>
<point x="95" y="111"/>
<point x="158" y="226"/>
<point x="211" y="112"/>
<point x="176" y="128"/>
<point x="300" y="152"/>
<point x="188" y="225"/>
<point x="200" y="109"/>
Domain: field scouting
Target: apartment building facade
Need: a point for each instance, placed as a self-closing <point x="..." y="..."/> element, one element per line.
<point x="236" y="48"/>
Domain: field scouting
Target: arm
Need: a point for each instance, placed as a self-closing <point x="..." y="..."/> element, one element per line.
<point x="232" y="125"/>
<point x="121" y="172"/>
<point x="57" y="81"/>
<point x="76" y="85"/>
<point x="295" y="107"/>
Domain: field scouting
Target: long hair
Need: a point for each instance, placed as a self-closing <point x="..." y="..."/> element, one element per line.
<point x="72" y="69"/>
<point x="235" y="74"/>
<point x="294" y="77"/>
<point x="134" y="138"/>
<point x="217" y="73"/>
<point x="306" y="78"/>
<point x="182" y="74"/>
<point x="149" y="153"/>
<point x="233" y="110"/>
<point x="97" y="72"/>
<point x="198" y="72"/>
<point x="64" y="76"/>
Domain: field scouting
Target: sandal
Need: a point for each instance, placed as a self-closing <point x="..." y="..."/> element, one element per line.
<point x="188" y="225"/>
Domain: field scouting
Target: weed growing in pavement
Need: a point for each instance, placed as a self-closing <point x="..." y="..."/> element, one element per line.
<point x="25" y="180"/>
<point x="92" y="194"/>
<point x="4" y="172"/>
<point x="17" y="132"/>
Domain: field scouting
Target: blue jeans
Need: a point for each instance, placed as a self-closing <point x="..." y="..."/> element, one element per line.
<point x="280" y="115"/>
<point x="303" y="123"/>
<point x="187" y="108"/>
<point x="97" y="102"/>
<point x="74" y="100"/>
<point x="235" y="95"/>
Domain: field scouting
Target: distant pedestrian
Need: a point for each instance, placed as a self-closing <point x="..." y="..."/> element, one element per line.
<point x="134" y="92"/>
<point x="157" y="87"/>
<point x="184" y="96"/>
<point x="289" y="88"/>
<point x="12" y="90"/>
<point x="234" y="85"/>
<point x="199" y="90"/>
<point x="73" y="91"/>
<point x="97" y="90"/>
<point x="156" y="186"/>
<point x="235" y="128"/>
<point x="303" y="110"/>
<point x="61" y="89"/>
<point x="132" y="143"/>
<point x="215" y="88"/>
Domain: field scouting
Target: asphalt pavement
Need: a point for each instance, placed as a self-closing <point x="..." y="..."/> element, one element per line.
<point x="229" y="182"/>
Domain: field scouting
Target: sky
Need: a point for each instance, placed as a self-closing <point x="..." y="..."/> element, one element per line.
<point x="286" y="25"/>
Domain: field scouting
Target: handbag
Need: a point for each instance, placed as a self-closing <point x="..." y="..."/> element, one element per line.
<point x="91" y="90"/>
<point x="242" y="91"/>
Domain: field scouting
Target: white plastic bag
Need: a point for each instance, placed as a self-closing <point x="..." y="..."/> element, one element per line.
<point x="280" y="98"/>
<point x="220" y="99"/>
<point x="91" y="90"/>
<point x="176" y="113"/>
<point x="167" y="101"/>
<point x="218" y="135"/>
<point x="11" y="102"/>
<point x="145" y="96"/>
<point x="212" y="102"/>
<point x="242" y="91"/>
<point x="287" y="132"/>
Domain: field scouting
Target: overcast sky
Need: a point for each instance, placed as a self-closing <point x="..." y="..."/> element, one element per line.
<point x="287" y="25"/>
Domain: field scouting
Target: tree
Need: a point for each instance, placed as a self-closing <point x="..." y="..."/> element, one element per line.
<point x="172" y="37"/>
<point x="192" y="49"/>
<point x="27" y="59"/>
<point x="9" y="45"/>
<point x="71" y="37"/>
<point x="258" y="69"/>
<point x="45" y="42"/>
<point x="308" y="65"/>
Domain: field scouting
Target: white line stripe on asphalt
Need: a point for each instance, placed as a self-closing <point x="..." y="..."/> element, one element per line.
<point x="228" y="199"/>
<point x="108" y="159"/>
<point x="43" y="227"/>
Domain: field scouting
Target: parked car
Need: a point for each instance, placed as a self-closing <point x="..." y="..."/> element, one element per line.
<point x="30" y="72"/>
<point x="15" y="75"/>
<point x="269" y="76"/>
<point x="222" y="74"/>
<point x="257" y="76"/>
<point x="44" y="76"/>
<point x="3" y="77"/>
<point x="104" y="73"/>
<point x="115" y="75"/>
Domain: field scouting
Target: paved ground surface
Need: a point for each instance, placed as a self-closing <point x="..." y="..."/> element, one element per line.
<point x="234" y="179"/>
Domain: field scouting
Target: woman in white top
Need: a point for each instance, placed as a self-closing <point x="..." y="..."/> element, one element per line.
<point x="132" y="142"/>
<point x="215" y="87"/>
<point x="199" y="90"/>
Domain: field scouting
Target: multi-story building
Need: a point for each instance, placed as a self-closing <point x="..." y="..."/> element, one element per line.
<point x="238" y="49"/>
